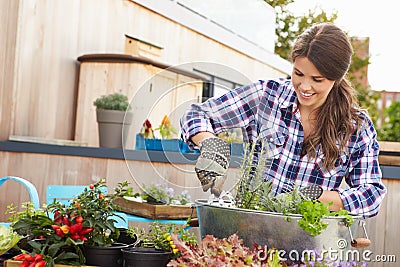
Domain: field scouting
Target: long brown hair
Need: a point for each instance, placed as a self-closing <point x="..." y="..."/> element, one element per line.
<point x="329" y="49"/>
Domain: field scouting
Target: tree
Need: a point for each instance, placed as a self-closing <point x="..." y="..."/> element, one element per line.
<point x="391" y="127"/>
<point x="289" y="26"/>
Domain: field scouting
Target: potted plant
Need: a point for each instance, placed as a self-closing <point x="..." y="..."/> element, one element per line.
<point x="114" y="117"/>
<point x="145" y="140"/>
<point x="82" y="232"/>
<point x="156" y="247"/>
<point x="98" y="209"/>
<point x="158" y="201"/>
<point x="48" y="240"/>
<point x="288" y="221"/>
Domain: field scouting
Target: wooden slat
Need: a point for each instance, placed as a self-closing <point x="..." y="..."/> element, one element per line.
<point x="389" y="146"/>
<point x="392" y="229"/>
<point x="8" y="30"/>
<point x="151" y="211"/>
<point x="389" y="160"/>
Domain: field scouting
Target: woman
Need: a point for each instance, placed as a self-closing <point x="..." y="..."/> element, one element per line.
<point x="316" y="134"/>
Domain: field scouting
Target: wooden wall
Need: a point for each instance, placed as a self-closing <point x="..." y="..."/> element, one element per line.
<point x="152" y="91"/>
<point x="8" y="36"/>
<point x="43" y="39"/>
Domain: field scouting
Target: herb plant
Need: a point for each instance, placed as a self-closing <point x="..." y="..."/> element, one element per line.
<point x="312" y="212"/>
<point x="161" y="194"/>
<point x="253" y="193"/>
<point x="252" y="187"/>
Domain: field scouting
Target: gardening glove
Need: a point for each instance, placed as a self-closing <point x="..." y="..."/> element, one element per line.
<point x="212" y="164"/>
<point x="312" y="192"/>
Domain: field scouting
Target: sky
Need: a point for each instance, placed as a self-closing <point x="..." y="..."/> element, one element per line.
<point x="378" y="20"/>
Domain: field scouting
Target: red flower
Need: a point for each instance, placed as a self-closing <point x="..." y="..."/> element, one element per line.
<point x="147" y="124"/>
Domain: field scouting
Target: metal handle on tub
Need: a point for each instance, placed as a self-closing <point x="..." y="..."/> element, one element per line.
<point x="360" y="242"/>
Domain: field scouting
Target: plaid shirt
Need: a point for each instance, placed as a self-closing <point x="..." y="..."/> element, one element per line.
<point x="268" y="109"/>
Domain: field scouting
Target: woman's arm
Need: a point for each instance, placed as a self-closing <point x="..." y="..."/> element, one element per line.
<point x="200" y="137"/>
<point x="366" y="190"/>
<point x="235" y="109"/>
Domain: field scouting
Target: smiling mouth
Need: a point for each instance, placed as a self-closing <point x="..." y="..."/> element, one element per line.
<point x="306" y="94"/>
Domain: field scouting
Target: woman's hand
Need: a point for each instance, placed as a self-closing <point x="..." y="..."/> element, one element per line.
<point x="213" y="162"/>
<point x="334" y="197"/>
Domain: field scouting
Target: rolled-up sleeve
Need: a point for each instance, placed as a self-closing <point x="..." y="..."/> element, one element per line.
<point x="234" y="109"/>
<point x="366" y="191"/>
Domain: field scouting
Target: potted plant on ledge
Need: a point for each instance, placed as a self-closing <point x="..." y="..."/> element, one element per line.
<point x="114" y="118"/>
<point x="145" y="140"/>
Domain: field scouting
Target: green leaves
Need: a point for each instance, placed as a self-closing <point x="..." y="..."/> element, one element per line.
<point x="97" y="210"/>
<point x="390" y="130"/>
<point x="252" y="187"/>
<point x="8" y="239"/>
<point x="312" y="212"/>
<point x="158" y="235"/>
<point x="112" y="102"/>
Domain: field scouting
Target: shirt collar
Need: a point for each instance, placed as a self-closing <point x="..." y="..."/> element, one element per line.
<point x="289" y="97"/>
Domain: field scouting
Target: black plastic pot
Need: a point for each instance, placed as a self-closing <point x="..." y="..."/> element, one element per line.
<point x="145" y="257"/>
<point x="125" y="238"/>
<point x="110" y="256"/>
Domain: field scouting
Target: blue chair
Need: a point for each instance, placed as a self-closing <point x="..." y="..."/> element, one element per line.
<point x="65" y="193"/>
<point x="28" y="185"/>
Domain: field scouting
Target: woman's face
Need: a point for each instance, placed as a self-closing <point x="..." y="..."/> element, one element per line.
<point x="311" y="87"/>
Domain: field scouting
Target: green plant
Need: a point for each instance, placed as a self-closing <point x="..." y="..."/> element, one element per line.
<point x="8" y="239"/>
<point x="251" y="186"/>
<point x="58" y="234"/>
<point x="161" y="193"/>
<point x="97" y="209"/>
<point x="254" y="193"/>
<point x="390" y="130"/>
<point x="166" y="129"/>
<point x="114" y="101"/>
<point x="50" y="240"/>
<point x="159" y="236"/>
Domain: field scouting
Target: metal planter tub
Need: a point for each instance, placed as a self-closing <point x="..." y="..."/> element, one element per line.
<point x="275" y="230"/>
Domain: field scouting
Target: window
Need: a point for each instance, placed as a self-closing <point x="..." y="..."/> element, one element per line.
<point x="216" y="86"/>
